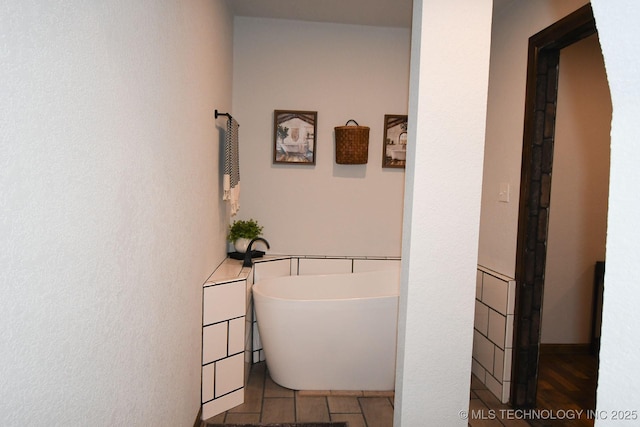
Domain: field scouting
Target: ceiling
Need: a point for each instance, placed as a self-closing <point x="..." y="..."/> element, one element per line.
<point x="382" y="13"/>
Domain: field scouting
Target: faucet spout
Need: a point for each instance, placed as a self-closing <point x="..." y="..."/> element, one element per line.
<point x="247" y="256"/>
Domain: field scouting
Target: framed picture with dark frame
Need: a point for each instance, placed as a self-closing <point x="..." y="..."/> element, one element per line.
<point x="394" y="147"/>
<point x="294" y="137"/>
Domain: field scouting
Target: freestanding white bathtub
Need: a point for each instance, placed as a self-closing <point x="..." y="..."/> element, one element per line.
<point x="330" y="332"/>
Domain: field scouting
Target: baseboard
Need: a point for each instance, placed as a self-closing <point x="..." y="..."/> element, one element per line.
<point x="198" y="421"/>
<point x="565" y="348"/>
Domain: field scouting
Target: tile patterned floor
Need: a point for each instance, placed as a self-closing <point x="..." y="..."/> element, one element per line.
<point x="267" y="402"/>
<point x="485" y="410"/>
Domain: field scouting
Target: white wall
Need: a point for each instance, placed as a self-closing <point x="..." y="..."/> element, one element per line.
<point x="579" y="193"/>
<point x="343" y="72"/>
<point x="619" y="354"/>
<point x="449" y="76"/>
<point x="109" y="206"/>
<point x="505" y="124"/>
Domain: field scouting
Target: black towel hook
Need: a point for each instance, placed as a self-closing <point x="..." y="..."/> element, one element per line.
<point x="217" y="114"/>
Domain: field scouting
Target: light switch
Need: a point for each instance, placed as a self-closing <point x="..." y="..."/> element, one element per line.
<point x="503" y="194"/>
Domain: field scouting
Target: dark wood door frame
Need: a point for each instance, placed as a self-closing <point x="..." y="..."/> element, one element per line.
<point x="535" y="190"/>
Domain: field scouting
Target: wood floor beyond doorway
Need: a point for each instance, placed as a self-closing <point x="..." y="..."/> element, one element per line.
<point x="567" y="385"/>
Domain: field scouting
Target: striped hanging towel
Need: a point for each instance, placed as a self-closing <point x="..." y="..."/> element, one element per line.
<point x="231" y="185"/>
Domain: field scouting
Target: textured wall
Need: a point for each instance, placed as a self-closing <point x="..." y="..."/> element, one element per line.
<point x="109" y="206"/>
<point x="442" y="210"/>
<point x="619" y="354"/>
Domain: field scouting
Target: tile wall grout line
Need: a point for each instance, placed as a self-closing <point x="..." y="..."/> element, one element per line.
<point x="264" y="386"/>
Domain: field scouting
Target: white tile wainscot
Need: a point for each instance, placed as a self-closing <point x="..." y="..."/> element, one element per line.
<point x="225" y="347"/>
<point x="493" y="331"/>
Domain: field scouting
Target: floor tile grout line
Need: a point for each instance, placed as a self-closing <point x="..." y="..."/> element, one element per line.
<point x="364" y="418"/>
<point x="326" y="404"/>
<point x="295" y="406"/>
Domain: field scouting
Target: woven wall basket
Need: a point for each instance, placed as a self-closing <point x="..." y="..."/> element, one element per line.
<point x="352" y="144"/>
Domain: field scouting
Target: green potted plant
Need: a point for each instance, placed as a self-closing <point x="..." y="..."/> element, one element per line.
<point x="242" y="231"/>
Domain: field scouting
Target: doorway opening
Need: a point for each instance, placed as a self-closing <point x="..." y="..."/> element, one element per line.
<point x="535" y="195"/>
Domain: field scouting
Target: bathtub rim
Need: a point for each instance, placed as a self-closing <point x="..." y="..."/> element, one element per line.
<point x="257" y="288"/>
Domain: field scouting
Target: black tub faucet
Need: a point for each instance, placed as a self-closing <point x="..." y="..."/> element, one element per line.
<point x="247" y="256"/>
